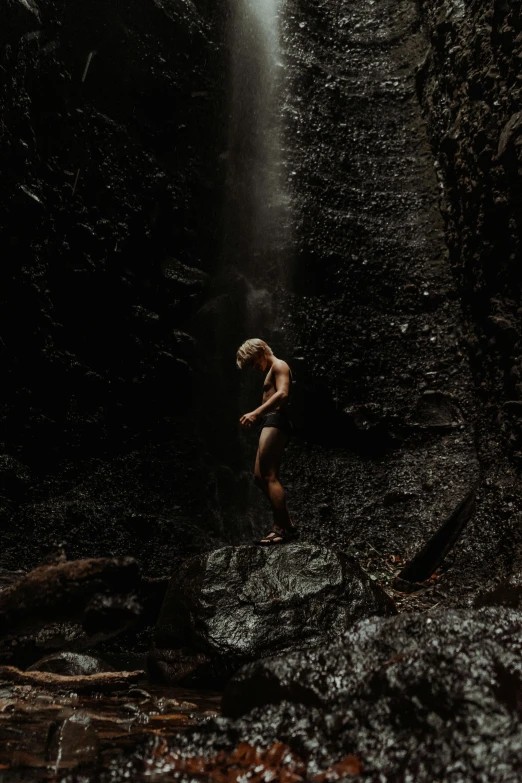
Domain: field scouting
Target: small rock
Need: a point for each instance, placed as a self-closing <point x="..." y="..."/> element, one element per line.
<point x="71" y="664"/>
<point x="435" y="410"/>
<point x="71" y="740"/>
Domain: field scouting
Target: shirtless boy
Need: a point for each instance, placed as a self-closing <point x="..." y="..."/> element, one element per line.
<point x="275" y="429"/>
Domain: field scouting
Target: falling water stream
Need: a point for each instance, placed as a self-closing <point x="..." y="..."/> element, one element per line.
<point x="257" y="230"/>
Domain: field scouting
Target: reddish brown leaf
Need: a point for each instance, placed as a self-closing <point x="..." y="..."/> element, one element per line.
<point x="348" y="766"/>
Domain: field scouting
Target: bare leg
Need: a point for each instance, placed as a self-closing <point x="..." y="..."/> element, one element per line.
<point x="272" y="443"/>
<point x="258" y="477"/>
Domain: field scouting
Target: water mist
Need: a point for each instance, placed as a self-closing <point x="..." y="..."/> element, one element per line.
<point x="257" y="231"/>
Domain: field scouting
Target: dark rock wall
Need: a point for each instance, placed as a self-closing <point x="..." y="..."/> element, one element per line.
<point x="112" y="124"/>
<point x="387" y="447"/>
<point x="470" y="85"/>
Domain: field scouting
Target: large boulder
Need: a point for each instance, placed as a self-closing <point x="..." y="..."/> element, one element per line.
<point x="238" y="604"/>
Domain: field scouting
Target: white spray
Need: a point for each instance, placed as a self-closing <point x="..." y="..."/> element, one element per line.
<point x="257" y="224"/>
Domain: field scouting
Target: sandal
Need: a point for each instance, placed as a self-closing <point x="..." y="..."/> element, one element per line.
<point x="278" y="537"/>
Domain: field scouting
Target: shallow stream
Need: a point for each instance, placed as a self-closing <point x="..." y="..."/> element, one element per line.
<point x="43" y="735"/>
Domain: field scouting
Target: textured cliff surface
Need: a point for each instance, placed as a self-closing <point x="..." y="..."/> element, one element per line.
<point x="470" y="85"/>
<point x="375" y="324"/>
<point x="111" y="131"/>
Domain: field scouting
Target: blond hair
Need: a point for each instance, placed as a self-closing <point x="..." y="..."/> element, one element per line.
<point x="250" y="350"/>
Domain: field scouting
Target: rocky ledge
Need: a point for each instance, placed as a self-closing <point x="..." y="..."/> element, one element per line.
<point x="405" y="698"/>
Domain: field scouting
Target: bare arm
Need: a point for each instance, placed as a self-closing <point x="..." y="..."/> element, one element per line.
<point x="281" y="375"/>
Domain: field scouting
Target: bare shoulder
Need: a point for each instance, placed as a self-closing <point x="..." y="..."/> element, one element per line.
<point x="281" y="367"/>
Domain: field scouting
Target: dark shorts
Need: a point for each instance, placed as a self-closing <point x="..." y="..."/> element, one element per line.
<point x="276" y="419"/>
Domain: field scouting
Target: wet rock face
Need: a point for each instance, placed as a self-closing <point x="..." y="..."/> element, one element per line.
<point x="413" y="697"/>
<point x="112" y="120"/>
<point x="242" y="603"/>
<point x="379" y="319"/>
<point x="366" y="656"/>
<point x="372" y="327"/>
<point x="470" y="89"/>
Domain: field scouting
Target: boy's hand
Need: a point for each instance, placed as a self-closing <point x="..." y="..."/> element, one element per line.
<point x="248" y="419"/>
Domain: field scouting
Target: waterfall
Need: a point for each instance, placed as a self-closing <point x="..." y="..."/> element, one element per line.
<point x="257" y="219"/>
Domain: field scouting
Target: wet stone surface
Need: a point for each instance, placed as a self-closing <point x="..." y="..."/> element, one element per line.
<point x="470" y="90"/>
<point x="418" y="697"/>
<point x="414" y="697"/>
<point x="238" y="604"/>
